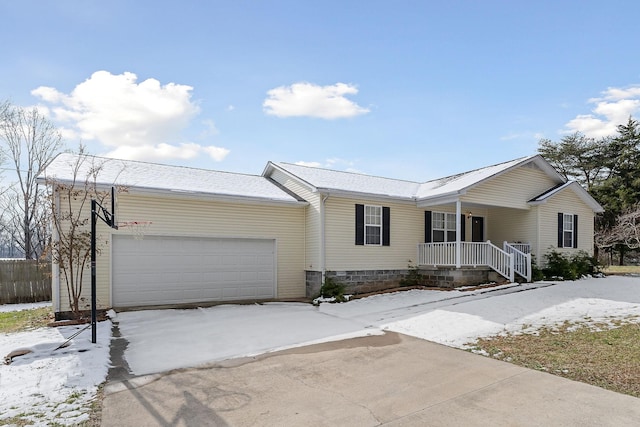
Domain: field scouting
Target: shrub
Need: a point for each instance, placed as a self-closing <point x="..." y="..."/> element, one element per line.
<point x="558" y="266"/>
<point x="330" y="288"/>
<point x="561" y="266"/>
<point x="585" y="264"/>
<point x="413" y="278"/>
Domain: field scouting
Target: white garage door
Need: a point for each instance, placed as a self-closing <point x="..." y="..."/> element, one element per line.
<point x="171" y="270"/>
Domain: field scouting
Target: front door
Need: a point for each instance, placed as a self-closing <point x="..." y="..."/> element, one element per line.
<point x="477" y="229"/>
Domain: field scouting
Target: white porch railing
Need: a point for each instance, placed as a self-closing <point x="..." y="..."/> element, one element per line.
<point x="522" y="247"/>
<point x="472" y="254"/>
<point x="521" y="258"/>
<point x="437" y="253"/>
<point x="500" y="261"/>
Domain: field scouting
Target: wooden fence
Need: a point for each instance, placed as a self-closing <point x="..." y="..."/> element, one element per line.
<point x="24" y="281"/>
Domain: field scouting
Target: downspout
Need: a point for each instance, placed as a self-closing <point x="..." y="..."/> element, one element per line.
<point x="538" y="254"/>
<point x="458" y="231"/>
<point x="323" y="199"/>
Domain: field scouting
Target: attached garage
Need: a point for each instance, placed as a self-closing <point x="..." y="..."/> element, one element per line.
<point x="160" y="270"/>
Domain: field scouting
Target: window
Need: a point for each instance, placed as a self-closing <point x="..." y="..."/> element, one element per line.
<point x="567" y="230"/>
<point x="443" y="227"/>
<point x="372" y="225"/>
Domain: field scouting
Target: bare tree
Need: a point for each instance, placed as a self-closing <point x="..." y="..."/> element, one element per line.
<point x="70" y="204"/>
<point x="626" y="230"/>
<point x="4" y="108"/>
<point x="28" y="141"/>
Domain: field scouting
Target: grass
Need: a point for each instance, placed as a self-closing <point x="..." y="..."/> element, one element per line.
<point x="16" y="321"/>
<point x="622" y="269"/>
<point x="607" y="358"/>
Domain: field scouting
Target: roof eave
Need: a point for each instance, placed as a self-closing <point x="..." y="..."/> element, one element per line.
<point x="363" y="195"/>
<point x="440" y="199"/>
<point x="216" y="196"/>
<point x="578" y="190"/>
<point x="272" y="166"/>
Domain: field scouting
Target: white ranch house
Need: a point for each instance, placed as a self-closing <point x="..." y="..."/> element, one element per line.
<point x="218" y="236"/>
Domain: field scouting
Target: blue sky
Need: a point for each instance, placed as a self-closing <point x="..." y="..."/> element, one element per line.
<point x="405" y="89"/>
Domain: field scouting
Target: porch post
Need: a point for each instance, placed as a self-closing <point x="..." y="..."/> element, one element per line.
<point x="458" y="231"/>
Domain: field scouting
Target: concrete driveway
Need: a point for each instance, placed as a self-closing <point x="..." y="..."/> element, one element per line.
<point x="392" y="380"/>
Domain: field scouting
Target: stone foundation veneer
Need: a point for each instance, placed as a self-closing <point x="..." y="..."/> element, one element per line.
<point x="365" y="281"/>
<point x="455" y="277"/>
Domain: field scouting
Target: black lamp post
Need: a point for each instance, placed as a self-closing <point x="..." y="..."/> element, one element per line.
<point x="110" y="219"/>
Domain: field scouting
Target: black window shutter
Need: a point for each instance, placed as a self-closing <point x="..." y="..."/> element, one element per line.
<point x="463" y="231"/>
<point x="560" y="229"/>
<point x="427" y="226"/>
<point x="386" y="226"/>
<point x="575" y="231"/>
<point x="359" y="224"/>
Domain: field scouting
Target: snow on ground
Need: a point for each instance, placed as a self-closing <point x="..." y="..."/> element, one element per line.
<point x="167" y="339"/>
<point x="181" y="338"/>
<point x="19" y="307"/>
<point x="585" y="301"/>
<point x="53" y="385"/>
<point x="59" y="384"/>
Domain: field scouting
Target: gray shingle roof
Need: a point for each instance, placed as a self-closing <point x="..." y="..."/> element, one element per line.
<point x="336" y="181"/>
<point x="165" y="178"/>
<point x="327" y="179"/>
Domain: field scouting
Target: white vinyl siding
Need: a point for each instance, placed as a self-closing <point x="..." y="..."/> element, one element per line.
<point x="407" y="230"/>
<point x="513" y="225"/>
<point x="185" y="216"/>
<point x="102" y="269"/>
<point x="511" y="189"/>
<point x="566" y="202"/>
<point x="312" y="218"/>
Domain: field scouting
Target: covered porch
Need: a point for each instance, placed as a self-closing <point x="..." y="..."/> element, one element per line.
<point x="511" y="259"/>
<point x="455" y="237"/>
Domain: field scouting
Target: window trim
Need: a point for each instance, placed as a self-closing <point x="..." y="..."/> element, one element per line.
<point x="368" y="225"/>
<point x="445" y="230"/>
<point x="385" y="235"/>
<point x="565" y="217"/>
<point x="562" y="230"/>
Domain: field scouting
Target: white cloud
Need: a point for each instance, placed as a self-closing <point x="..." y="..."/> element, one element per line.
<point x="611" y="109"/>
<point x="210" y="128"/>
<point x="162" y="151"/>
<point x="134" y="120"/>
<point x="310" y="100"/>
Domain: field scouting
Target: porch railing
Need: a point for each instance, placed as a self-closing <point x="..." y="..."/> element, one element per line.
<point x="521" y="258"/>
<point x="472" y="254"/>
<point x="500" y="261"/>
<point x="522" y="247"/>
